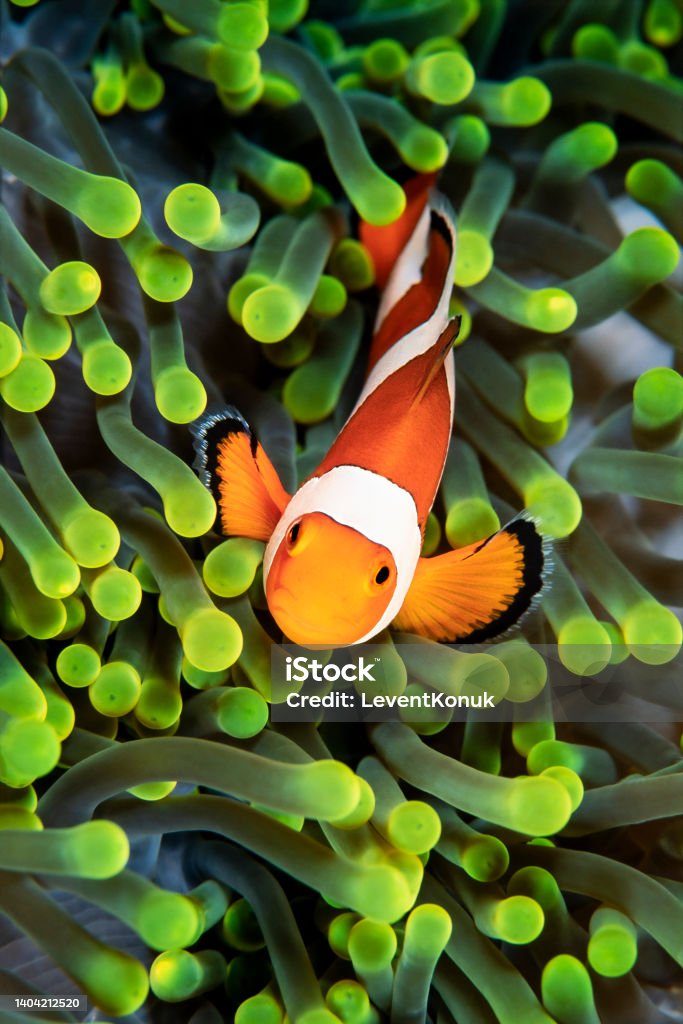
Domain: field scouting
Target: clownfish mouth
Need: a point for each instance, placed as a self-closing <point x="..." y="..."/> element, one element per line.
<point x="306" y="634"/>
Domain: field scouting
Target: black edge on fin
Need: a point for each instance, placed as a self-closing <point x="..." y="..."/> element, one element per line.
<point x="537" y="564"/>
<point x="207" y="434"/>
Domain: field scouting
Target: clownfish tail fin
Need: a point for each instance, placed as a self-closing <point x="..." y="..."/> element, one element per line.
<point x="231" y="462"/>
<point x="419" y="254"/>
<point x="386" y="242"/>
<point x="475" y="593"/>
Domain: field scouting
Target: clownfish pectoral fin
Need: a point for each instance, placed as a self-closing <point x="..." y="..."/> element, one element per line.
<point x="243" y="480"/>
<point x="445" y="343"/>
<point x="384" y="243"/>
<point x="476" y="592"/>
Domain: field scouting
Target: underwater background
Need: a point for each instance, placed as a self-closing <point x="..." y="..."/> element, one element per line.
<point x="181" y="190"/>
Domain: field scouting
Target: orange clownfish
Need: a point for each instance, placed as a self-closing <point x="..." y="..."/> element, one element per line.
<point x="342" y="559"/>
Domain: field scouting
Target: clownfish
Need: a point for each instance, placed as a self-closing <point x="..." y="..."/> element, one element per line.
<point x="342" y="558"/>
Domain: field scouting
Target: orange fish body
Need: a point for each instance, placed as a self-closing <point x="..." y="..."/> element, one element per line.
<point x="342" y="559"/>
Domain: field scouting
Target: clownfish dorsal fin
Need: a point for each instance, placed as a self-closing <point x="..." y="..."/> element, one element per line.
<point x="244" y="482"/>
<point x="444" y="344"/>
<point x="477" y="592"/>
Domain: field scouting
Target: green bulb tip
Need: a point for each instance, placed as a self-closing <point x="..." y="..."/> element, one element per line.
<point x="595" y="144"/>
<point x="556" y="504"/>
<point x="518" y="920"/>
<point x="10" y="349"/>
<point x="107" y="369"/>
<point x="179" y="394"/>
<point x="485" y="858"/>
<point x="379" y="202"/>
<point x="30" y="386"/>
<point x="144" y="88"/>
<point x="98" y="849"/>
<point x="551" y="310"/>
<point x="538" y="806"/>
<point x="569" y="779"/>
<point x="92" y="538"/>
<point x="78" y="664"/>
<point x="526" y="101"/>
<point x="163" y="273"/>
<point x="290" y="183"/>
<point x="474" y="258"/>
<point x="46" y="334"/>
<point x="242" y="712"/>
<point x="414" y="827"/>
<point x="109" y="207"/>
<point x="167" y="920"/>
<point x="56" y="575"/>
<point x="648" y="254"/>
<point x="470" y="520"/>
<point x="116" y="594"/>
<point x="584" y="645"/>
<point x="271" y="313"/>
<point x="190" y="511"/>
<point x="612" y="951"/>
<point x="242" y="26"/>
<point x="192" y="212"/>
<point x="566" y="988"/>
<point x="116" y="690"/>
<point x="229" y="569"/>
<point x="652" y="633"/>
<point x="212" y="640"/>
<point x="29" y="749"/>
<point x="444" y="78"/>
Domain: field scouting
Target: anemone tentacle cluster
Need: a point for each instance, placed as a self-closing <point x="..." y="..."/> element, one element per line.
<point x="181" y="190"/>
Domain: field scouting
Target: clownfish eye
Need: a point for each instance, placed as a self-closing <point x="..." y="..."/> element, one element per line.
<point x="293" y="534"/>
<point x="383" y="575"/>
